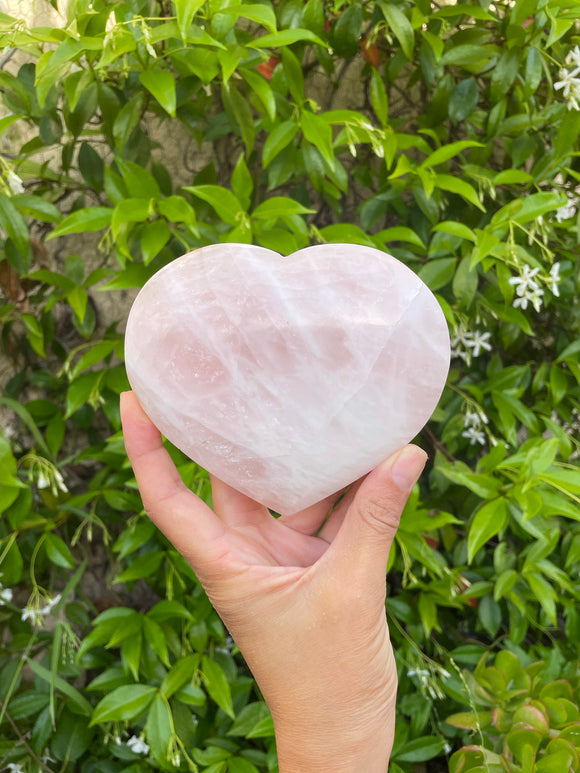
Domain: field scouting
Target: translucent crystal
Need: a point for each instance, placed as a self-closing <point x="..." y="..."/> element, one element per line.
<point x="287" y="377"/>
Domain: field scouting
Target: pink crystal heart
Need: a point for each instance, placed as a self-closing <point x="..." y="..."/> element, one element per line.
<point x="288" y="378"/>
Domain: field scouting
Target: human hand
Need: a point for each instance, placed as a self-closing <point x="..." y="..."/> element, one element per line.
<point x="302" y="595"/>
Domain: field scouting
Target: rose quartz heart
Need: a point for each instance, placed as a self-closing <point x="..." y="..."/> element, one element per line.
<point x="288" y="378"/>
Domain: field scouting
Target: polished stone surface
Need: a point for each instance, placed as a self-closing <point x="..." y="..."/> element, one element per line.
<point x="287" y="377"/>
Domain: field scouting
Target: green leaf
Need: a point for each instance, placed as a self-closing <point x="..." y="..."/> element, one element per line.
<point x="294" y="75"/>
<point x="465" y="283"/>
<point x="286" y="38"/>
<point x="346" y="32"/>
<point x="512" y="177"/>
<point x="25" y="416"/>
<point x="36" y="207"/>
<point x="400" y="25"/>
<point x="279" y="206"/>
<point x="262" y="90"/>
<point x="124" y="703"/>
<point x="463" y="99"/>
<point x="487" y="522"/>
<point x="156" y="639"/>
<point x="319" y="133"/>
<point x="457" y="229"/>
<point x="534" y="71"/>
<point x="95" y="354"/>
<point x="227" y="206"/>
<point x="569" y="351"/>
<point x="82" y="704"/>
<point x="399" y="233"/>
<point x="345" y="233"/>
<point x="159" y="728"/>
<point x="217" y="685"/>
<point x="177" y="210"/>
<point x="277" y="140"/>
<point x="85" y="220"/>
<point x="484" y="486"/>
<point x="143" y="566"/>
<point x="14" y="225"/>
<point x="504" y="583"/>
<point x="543" y="592"/>
<point x="420" y="749"/>
<point x="242" y="183"/>
<point x="447" y="182"/>
<point x="27" y="703"/>
<point x="82" y="391"/>
<point x="153" y="239"/>
<point x="471" y="57"/>
<point x="504" y="73"/>
<point x="489" y="613"/>
<point x="262" y="14"/>
<point x="180" y="674"/>
<point x="524" y="210"/>
<point x="446" y="152"/>
<point x="313" y="16"/>
<point x="379" y="98"/>
<point x="91" y="166"/>
<point x="161" y="84"/>
<point x="438" y="273"/>
<point x="249" y="718"/>
<point x="186" y="10"/>
<point x="58" y="552"/>
<point x="72" y="737"/>
<point x="241" y="765"/>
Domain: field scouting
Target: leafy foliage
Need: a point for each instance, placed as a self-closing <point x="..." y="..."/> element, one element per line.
<point x="458" y="154"/>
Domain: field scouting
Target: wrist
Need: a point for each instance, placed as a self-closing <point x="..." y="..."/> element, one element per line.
<point x="336" y="744"/>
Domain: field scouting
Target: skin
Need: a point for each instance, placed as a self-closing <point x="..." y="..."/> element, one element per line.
<point x="303" y="596"/>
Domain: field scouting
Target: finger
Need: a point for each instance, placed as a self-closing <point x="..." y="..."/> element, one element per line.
<point x="336" y="517"/>
<point x="309" y="520"/>
<point x="185" y="520"/>
<point x="365" y="538"/>
<point x="233" y="507"/>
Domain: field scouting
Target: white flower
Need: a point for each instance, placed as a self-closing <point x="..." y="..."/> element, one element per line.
<point x="475" y="419"/>
<point x="447" y="748"/>
<point x="15" y="767"/>
<point x="14" y="182"/>
<point x="525" y="280"/>
<point x="59" y="482"/>
<point x="474" y="436"/>
<point x="555" y="276"/>
<point x="479" y="342"/>
<point x="422" y="673"/>
<point x="566" y="211"/>
<point x="570" y="85"/>
<point x="461" y="336"/>
<point x="42" y="481"/>
<point x="573" y="59"/>
<point x="138" y="745"/>
<point x="35" y="613"/>
<point x="48" y="607"/>
<point x="147" y="38"/>
<point x="5" y="595"/>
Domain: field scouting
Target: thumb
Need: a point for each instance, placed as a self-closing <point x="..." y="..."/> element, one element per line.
<point x="365" y="538"/>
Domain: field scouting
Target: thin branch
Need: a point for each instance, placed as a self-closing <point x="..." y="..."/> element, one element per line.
<point x="7" y="57"/>
<point x="25" y="743"/>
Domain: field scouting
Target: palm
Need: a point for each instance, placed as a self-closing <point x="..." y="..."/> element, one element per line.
<point x="253" y="536"/>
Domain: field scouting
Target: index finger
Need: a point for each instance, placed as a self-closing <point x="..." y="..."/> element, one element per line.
<point x="186" y="521"/>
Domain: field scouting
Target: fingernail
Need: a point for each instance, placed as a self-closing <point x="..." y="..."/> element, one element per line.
<point x="407" y="467"/>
